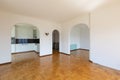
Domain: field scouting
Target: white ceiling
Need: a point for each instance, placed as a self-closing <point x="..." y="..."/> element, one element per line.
<point x="55" y="10"/>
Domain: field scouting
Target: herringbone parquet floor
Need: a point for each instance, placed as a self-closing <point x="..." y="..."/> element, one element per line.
<point x="29" y="66"/>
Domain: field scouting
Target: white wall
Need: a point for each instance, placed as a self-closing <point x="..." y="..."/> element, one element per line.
<point x="84" y="36"/>
<point x="66" y="29"/>
<point x="13" y="32"/>
<point x="13" y="36"/>
<point x="8" y="20"/>
<point x="105" y="31"/>
<point x="75" y="38"/>
<point x="23" y="32"/>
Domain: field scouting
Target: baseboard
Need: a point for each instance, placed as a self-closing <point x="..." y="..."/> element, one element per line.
<point x="64" y="53"/>
<point x="46" y="55"/>
<point x="84" y="49"/>
<point x="107" y="67"/>
<point x="80" y="49"/>
<point x="36" y="52"/>
<point x="90" y="61"/>
<point x="5" y="63"/>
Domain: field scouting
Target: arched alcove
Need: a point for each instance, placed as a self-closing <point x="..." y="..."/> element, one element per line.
<point x="24" y="38"/>
<point x="80" y="37"/>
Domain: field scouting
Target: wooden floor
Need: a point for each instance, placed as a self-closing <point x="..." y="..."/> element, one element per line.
<point x="29" y="66"/>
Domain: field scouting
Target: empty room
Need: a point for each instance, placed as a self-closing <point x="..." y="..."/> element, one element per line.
<point x="59" y="40"/>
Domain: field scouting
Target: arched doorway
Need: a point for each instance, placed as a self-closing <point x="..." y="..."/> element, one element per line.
<point x="55" y="40"/>
<point x="80" y="38"/>
<point x="24" y="38"/>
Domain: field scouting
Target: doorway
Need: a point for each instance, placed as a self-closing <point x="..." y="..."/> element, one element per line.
<point x="55" y="40"/>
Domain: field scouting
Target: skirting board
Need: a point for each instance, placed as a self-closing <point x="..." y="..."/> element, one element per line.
<point x="80" y="49"/>
<point x="5" y="63"/>
<point x="64" y="53"/>
<point x="90" y="61"/>
<point x="46" y="55"/>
